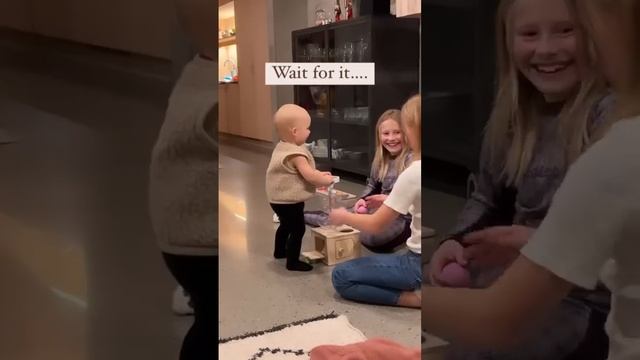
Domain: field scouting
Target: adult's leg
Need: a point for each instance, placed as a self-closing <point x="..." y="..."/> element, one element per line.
<point x="198" y="276"/>
<point x="379" y="279"/>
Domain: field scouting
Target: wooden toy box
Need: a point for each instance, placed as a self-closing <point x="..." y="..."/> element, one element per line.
<point x="335" y="244"/>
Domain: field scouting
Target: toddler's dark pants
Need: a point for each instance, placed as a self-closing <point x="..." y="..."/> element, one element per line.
<point x="289" y="235"/>
<point x="198" y="276"/>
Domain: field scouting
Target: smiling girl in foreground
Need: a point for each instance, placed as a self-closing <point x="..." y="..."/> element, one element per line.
<point x="591" y="231"/>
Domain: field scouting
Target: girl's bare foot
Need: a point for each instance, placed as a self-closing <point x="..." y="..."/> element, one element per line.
<point x="412" y="299"/>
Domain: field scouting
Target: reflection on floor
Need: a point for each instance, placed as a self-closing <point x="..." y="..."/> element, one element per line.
<point x="80" y="274"/>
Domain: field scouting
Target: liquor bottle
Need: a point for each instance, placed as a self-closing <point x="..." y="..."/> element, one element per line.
<point x="349" y="8"/>
<point x="337" y="11"/>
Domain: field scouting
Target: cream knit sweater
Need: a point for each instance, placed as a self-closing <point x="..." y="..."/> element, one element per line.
<point x="183" y="186"/>
<point x="284" y="184"/>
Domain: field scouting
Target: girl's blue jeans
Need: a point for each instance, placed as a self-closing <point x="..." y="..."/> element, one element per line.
<point x="378" y="279"/>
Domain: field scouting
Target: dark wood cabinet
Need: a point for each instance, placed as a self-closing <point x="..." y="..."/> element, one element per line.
<point x="458" y="76"/>
<point x="344" y="117"/>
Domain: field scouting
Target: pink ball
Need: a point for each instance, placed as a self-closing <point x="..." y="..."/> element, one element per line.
<point x="362" y="210"/>
<point x="455" y="275"/>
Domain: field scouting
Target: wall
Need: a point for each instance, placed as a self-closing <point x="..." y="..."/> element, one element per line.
<point x="252" y="17"/>
<point x="407" y="7"/>
<point x="182" y="51"/>
<point x="15" y="14"/>
<point x="142" y="26"/>
<point x="289" y="15"/>
<point x="198" y="19"/>
<point x="263" y="35"/>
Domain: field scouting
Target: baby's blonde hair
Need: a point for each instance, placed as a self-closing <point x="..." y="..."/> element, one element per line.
<point x="412" y="119"/>
<point x="286" y="118"/>
<point x="382" y="156"/>
<point x="511" y="133"/>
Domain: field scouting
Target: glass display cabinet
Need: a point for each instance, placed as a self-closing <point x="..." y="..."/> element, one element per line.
<point x="343" y="117"/>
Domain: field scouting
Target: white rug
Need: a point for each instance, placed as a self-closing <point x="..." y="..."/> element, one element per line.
<point x="291" y="341"/>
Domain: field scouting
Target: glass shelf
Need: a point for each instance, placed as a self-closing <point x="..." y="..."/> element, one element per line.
<point x="342" y="122"/>
<point x="354" y="166"/>
<point x="350" y="44"/>
<point x="227" y="41"/>
<point x="344" y="116"/>
<point x="227" y="46"/>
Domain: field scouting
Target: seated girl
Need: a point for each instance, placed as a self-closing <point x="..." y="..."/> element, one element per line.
<point x="391" y="158"/>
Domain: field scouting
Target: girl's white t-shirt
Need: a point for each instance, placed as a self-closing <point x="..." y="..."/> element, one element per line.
<point x="405" y="197"/>
<point x="592" y="231"/>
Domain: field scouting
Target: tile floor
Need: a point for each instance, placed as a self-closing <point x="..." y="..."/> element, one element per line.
<point x="256" y="291"/>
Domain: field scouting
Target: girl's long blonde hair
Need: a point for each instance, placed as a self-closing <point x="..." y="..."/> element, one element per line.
<point x="412" y="118"/>
<point x="512" y="131"/>
<point x="628" y="96"/>
<point x="383" y="157"/>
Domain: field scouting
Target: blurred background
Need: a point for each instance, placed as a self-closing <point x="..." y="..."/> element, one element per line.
<point x="83" y="90"/>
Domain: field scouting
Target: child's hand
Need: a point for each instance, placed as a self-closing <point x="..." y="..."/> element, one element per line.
<point x="497" y="245"/>
<point x="514" y="237"/>
<point x="449" y="251"/>
<point x="327" y="178"/>
<point x="359" y="204"/>
<point x="375" y="201"/>
<point x="338" y="216"/>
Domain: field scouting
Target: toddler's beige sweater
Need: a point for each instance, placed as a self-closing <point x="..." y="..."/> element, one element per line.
<point x="284" y="183"/>
<point x="183" y="186"/>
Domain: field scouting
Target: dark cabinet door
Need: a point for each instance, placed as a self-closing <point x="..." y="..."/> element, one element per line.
<point x="344" y="117"/>
<point x="458" y="74"/>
